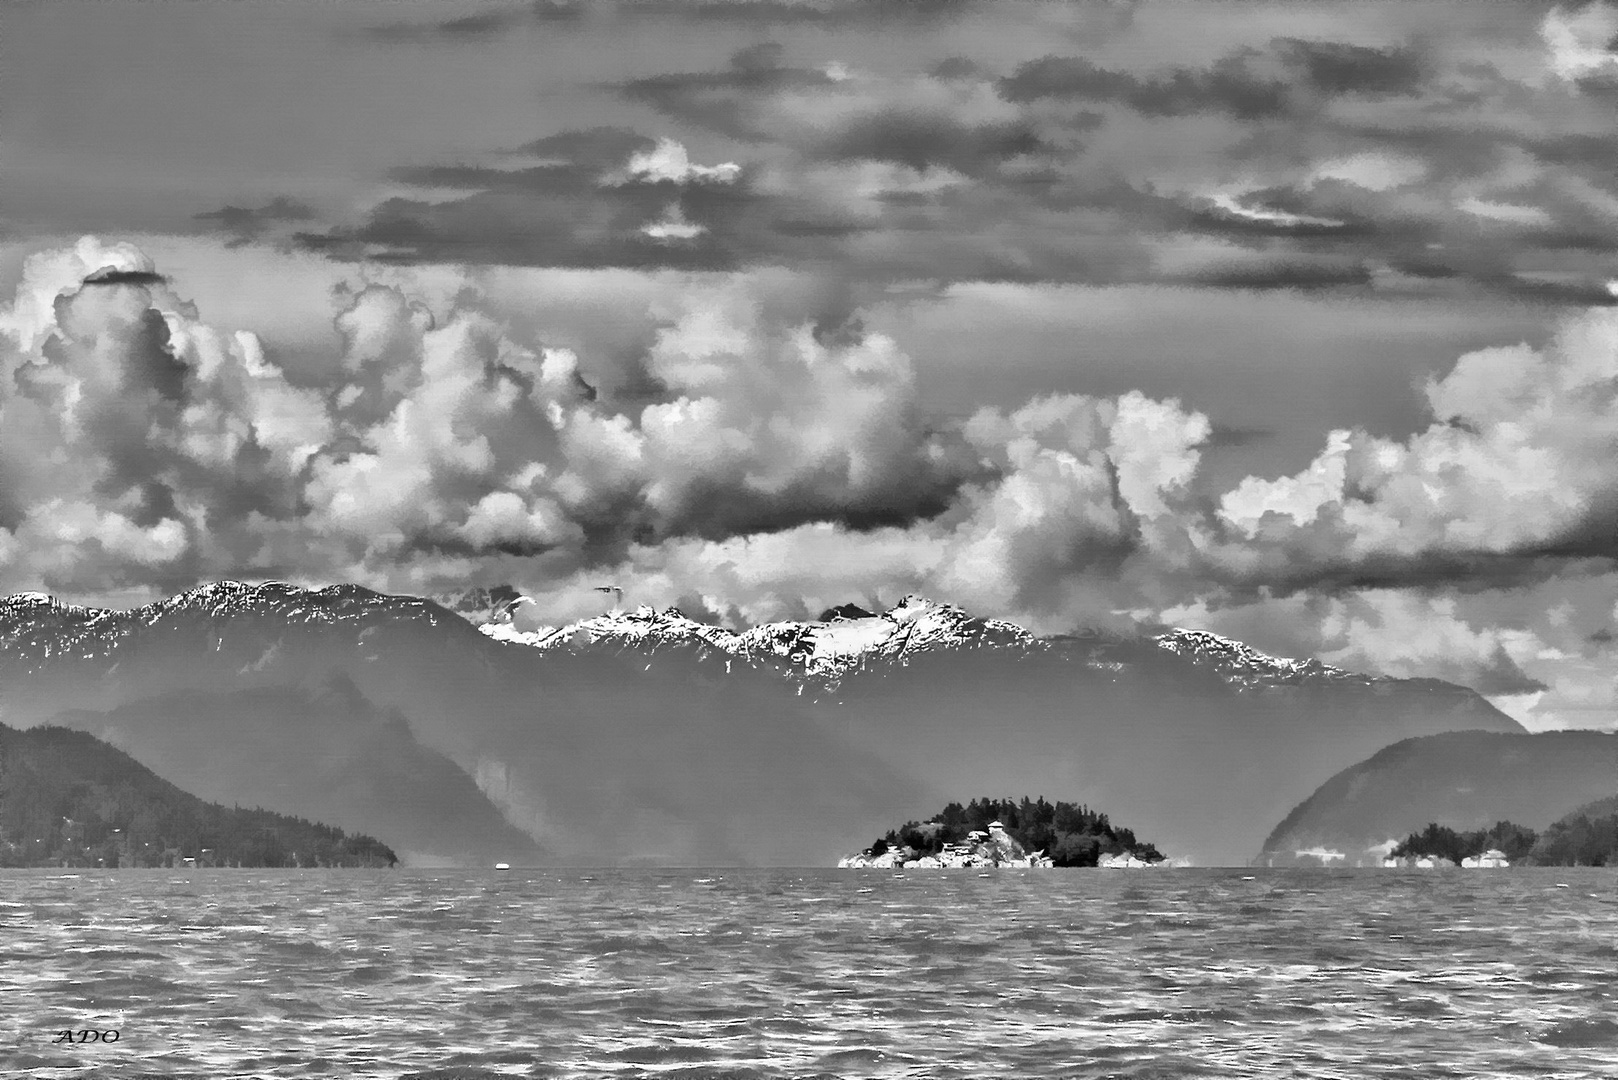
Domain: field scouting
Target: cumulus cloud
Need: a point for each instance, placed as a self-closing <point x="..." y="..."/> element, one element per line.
<point x="763" y="455"/>
<point x="1518" y="462"/>
<point x="135" y="437"/>
<point x="1580" y="40"/>
<point x="1072" y="490"/>
<point x="1405" y="634"/>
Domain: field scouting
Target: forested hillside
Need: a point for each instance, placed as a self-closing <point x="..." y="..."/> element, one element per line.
<point x="70" y="799"/>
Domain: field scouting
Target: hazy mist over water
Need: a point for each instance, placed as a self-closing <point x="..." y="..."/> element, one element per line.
<point x="790" y="973"/>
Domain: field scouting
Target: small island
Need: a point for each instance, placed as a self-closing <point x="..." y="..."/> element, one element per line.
<point x="1004" y="833"/>
<point x="68" y="799"/>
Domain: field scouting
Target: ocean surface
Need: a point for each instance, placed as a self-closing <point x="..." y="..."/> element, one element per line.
<point x="811" y="973"/>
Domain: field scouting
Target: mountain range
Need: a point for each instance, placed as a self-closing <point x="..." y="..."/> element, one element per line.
<point x="646" y="736"/>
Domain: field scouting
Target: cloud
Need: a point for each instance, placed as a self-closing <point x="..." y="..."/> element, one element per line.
<point x="1248" y="84"/>
<point x="1071" y="491"/>
<point x="181" y="448"/>
<point x="1580" y="40"/>
<point x="748" y="410"/>
<point x="1229" y="86"/>
<point x="1515" y="464"/>
<point x="247" y="224"/>
<point x="128" y="431"/>
<point x="763" y="453"/>
<point x="735" y="101"/>
<point x="485" y="24"/>
<point x="1344" y="157"/>
<point x="668" y="161"/>
<point x="109" y="275"/>
<point x="1405" y="633"/>
<point x="600" y="197"/>
<point x="673" y="226"/>
<point x="550" y="14"/>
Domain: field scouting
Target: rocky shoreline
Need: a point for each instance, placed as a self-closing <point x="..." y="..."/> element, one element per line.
<point x="990" y="848"/>
<point x="993" y="847"/>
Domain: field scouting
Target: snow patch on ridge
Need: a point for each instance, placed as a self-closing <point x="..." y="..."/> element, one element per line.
<point x="828" y="650"/>
<point x="820" y="649"/>
<point x="1243" y="665"/>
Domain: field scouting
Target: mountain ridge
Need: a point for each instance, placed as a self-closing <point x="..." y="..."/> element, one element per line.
<point x="840" y="641"/>
<point x="638" y="738"/>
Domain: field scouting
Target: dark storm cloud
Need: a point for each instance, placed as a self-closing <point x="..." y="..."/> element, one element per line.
<point x="1599" y="151"/>
<point x="1439" y="572"/>
<point x="829" y="14"/>
<point x="923" y="140"/>
<point x="821" y="12"/>
<point x="1341" y="68"/>
<point x="1236" y="84"/>
<point x="1575" y="293"/>
<point x="486" y="24"/>
<point x="111" y="276"/>
<point x="1281" y="275"/>
<point x="1392" y="167"/>
<point x="583" y="206"/>
<point x="1233" y="435"/>
<point x="599" y="148"/>
<point x="1227" y="86"/>
<point x="728" y="101"/>
<point x="249" y="223"/>
<point x="518" y="226"/>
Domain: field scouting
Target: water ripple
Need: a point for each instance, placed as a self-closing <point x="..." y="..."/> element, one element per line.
<point x="768" y="974"/>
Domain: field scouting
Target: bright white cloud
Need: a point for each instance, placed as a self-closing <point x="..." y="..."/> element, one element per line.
<point x="673" y="226"/>
<point x="669" y="161"/>
<point x="1580" y="40"/>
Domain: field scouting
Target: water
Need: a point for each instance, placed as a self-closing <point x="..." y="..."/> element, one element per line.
<point x="768" y="973"/>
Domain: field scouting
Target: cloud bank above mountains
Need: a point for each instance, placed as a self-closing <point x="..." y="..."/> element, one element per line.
<point x="760" y="459"/>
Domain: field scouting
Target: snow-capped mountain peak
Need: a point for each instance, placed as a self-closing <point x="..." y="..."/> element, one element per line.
<point x="818" y="648"/>
<point x="848" y="636"/>
<point x="35" y="626"/>
<point x="1241" y="664"/>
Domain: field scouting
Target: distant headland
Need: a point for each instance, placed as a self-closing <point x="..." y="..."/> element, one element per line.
<point x="70" y="799"/>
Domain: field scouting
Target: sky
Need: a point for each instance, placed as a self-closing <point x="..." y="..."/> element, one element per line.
<point x="1287" y="321"/>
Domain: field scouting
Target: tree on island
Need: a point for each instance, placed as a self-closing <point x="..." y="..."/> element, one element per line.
<point x="1071" y="834"/>
<point x="1438" y="842"/>
<point x="1586" y="837"/>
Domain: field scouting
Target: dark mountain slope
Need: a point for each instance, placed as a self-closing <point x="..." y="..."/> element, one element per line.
<point x="67" y="798"/>
<point x="1588" y="836"/>
<point x="323" y="752"/>
<point x="1462" y="780"/>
